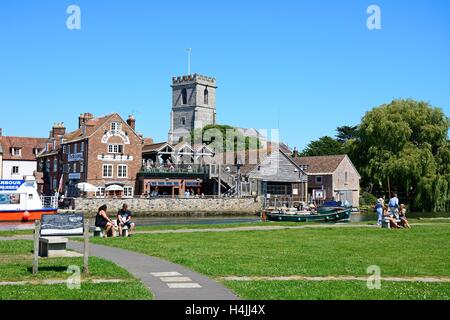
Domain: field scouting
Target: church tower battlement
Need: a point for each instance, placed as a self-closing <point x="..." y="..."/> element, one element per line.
<point x="193" y="105"/>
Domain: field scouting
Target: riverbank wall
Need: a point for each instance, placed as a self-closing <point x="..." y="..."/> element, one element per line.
<point x="173" y="207"/>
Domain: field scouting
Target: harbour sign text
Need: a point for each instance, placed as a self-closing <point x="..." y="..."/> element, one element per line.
<point x="10" y="185"/>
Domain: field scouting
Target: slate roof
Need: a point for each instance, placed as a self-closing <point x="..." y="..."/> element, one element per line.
<point x="320" y="165"/>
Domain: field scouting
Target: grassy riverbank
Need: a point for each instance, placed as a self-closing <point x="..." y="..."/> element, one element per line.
<point x="15" y="267"/>
<point x="325" y="251"/>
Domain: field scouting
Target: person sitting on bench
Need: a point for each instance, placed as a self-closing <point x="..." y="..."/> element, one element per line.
<point x="388" y="215"/>
<point x="402" y="214"/>
<point x="104" y="222"/>
<point x="124" y="219"/>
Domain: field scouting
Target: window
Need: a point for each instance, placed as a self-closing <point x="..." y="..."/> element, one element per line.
<point x="183" y="121"/>
<point x="81" y="167"/>
<point x="55" y="165"/>
<point x="75" y="148"/>
<point x="122" y="171"/>
<point x="68" y="149"/>
<point x="206" y="96"/>
<point x="116" y="126"/>
<point x="64" y="149"/>
<point x="319" y="180"/>
<point x="15" y="170"/>
<point x="82" y="146"/>
<point x="346" y="177"/>
<point x="36" y="151"/>
<point x="115" y="148"/>
<point x="107" y="171"/>
<point x="16" y="152"/>
<point x="184" y="96"/>
<point x="100" y="193"/>
<point x="128" y="192"/>
<point x="74" y="168"/>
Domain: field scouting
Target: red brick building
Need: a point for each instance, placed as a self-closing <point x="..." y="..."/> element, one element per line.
<point x="104" y="152"/>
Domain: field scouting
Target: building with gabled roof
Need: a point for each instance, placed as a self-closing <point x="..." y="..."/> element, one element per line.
<point x="104" y="152"/>
<point x="331" y="178"/>
<point x="18" y="156"/>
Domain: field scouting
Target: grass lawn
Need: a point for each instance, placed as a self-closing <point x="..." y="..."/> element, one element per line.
<point x="15" y="265"/>
<point x="338" y="290"/>
<point x="422" y="251"/>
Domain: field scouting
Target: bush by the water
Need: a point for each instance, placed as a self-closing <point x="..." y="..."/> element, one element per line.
<point x="367" y="199"/>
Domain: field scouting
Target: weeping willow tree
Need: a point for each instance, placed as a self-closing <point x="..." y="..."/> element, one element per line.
<point x="404" y="145"/>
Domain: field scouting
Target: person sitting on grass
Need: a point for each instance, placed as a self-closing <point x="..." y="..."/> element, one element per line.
<point x="391" y="217"/>
<point x="124" y="219"/>
<point x="403" y="220"/>
<point x="104" y="222"/>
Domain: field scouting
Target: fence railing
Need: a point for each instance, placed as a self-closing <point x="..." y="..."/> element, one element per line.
<point x="49" y="202"/>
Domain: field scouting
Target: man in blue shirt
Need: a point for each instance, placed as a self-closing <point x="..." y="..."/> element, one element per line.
<point x="394" y="205"/>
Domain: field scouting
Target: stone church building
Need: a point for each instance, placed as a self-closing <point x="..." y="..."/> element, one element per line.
<point x="193" y="105"/>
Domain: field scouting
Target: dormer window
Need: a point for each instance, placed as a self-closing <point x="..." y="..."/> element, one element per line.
<point x="184" y="96"/>
<point x="17" y="152"/>
<point x="116" y="126"/>
<point x="36" y="151"/>
<point x="206" y="96"/>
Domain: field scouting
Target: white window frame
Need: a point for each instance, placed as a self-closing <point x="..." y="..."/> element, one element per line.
<point x="120" y="171"/>
<point x="112" y="170"/>
<point x="82" y="146"/>
<point x="128" y="192"/>
<point x="75" y="148"/>
<point x="55" y="165"/>
<point x="64" y="149"/>
<point x="101" y="192"/>
<point x="81" y="167"/>
<point x="16" y="152"/>
<point x="116" y="126"/>
<point x="115" y="148"/>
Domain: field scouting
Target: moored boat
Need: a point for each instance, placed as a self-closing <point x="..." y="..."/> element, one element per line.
<point x="334" y="216"/>
<point x="20" y="201"/>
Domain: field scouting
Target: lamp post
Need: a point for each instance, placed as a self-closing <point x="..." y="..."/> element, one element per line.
<point x="238" y="177"/>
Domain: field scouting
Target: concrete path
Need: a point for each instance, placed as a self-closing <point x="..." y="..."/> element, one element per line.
<point x="166" y="280"/>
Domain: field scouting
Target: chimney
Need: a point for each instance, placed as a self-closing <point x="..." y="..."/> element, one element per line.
<point x="58" y="130"/>
<point x="132" y="122"/>
<point x="84" y="118"/>
<point x="295" y="152"/>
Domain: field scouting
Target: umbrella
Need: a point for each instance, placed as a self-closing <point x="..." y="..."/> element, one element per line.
<point x="86" y="187"/>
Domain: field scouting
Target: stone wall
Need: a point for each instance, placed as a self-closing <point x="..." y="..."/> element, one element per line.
<point x="174" y="207"/>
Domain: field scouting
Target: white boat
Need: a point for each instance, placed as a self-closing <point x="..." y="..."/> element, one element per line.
<point x="20" y="201"/>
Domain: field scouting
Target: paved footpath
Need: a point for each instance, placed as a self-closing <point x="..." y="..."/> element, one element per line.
<point x="166" y="280"/>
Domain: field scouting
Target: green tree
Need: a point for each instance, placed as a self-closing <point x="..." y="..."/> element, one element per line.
<point x="325" y="146"/>
<point x="405" y="144"/>
<point x="346" y="133"/>
<point x="224" y="137"/>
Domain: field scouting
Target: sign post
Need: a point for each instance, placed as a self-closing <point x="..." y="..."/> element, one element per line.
<point x="37" y="227"/>
<point x="86" y="247"/>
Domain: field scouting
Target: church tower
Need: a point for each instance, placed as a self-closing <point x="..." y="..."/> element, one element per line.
<point x="193" y="105"/>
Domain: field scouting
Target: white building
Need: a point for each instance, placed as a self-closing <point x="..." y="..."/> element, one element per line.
<point x="18" y="156"/>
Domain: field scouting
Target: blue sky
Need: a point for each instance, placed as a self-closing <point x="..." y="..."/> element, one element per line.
<point x="306" y="66"/>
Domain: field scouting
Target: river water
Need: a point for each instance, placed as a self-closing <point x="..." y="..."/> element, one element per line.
<point x="158" y="221"/>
